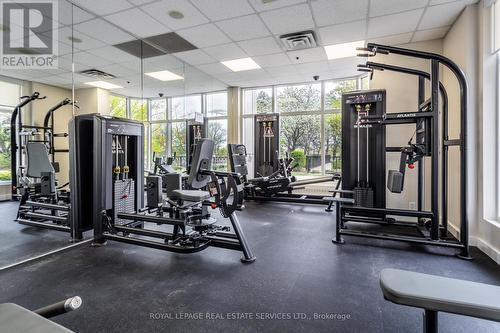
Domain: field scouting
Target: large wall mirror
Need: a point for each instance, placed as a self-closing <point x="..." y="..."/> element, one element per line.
<point x="151" y="76"/>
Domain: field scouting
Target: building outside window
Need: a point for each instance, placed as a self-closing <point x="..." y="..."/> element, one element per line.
<point x="216" y="112"/>
<point x="310" y="122"/>
<point x="165" y="121"/>
<point x="118" y="106"/>
<point x="9" y="98"/>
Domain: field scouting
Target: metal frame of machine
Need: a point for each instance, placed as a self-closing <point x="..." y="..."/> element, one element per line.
<point x="432" y="230"/>
<point x="196" y="129"/>
<point x="266" y="133"/>
<point x="280" y="184"/>
<point x="110" y="194"/>
<point x="42" y="203"/>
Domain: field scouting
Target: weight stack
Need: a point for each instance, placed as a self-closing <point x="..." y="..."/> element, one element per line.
<point x="363" y="197"/>
<point x="124" y="199"/>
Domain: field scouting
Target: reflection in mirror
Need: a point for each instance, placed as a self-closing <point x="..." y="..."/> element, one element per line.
<point x="185" y="104"/>
<point x="35" y="108"/>
<point x="111" y="67"/>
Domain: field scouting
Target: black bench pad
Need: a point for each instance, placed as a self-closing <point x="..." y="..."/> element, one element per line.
<point x="16" y="319"/>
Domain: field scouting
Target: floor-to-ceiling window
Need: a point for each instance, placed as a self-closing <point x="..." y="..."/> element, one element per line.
<point x="158" y="124"/>
<point x="216" y="113"/>
<point x="9" y="98"/>
<point x="165" y="120"/>
<point x="255" y="100"/>
<point x="118" y="106"/>
<point x="300" y="126"/>
<point x="183" y="109"/>
<point x="310" y="121"/>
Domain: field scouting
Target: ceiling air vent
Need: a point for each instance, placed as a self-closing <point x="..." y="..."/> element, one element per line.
<point x="97" y="74"/>
<point x="299" y="40"/>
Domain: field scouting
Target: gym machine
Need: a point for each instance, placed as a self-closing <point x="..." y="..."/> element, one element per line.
<point x="162" y="166"/>
<point x="48" y="124"/>
<point x="361" y="144"/>
<point x="18" y="133"/>
<point x="42" y="202"/>
<point x="196" y="129"/>
<point x="164" y="169"/>
<point x="280" y="184"/>
<point x="110" y="192"/>
<point x="266" y="144"/>
<point x="430" y="227"/>
<point x="423" y="103"/>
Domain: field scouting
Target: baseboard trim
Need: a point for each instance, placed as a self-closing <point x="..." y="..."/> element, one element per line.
<point x="482" y="245"/>
<point x="489" y="250"/>
<point x="5" y="197"/>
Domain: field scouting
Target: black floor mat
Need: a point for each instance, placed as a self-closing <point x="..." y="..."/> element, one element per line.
<point x="301" y="282"/>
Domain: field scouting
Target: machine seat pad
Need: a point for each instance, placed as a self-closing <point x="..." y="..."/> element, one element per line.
<point x="191" y="195"/>
<point x="444" y="294"/>
<point x="37" y="159"/>
<point x="16" y="319"/>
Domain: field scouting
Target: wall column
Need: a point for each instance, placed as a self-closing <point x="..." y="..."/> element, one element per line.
<point x="234" y="119"/>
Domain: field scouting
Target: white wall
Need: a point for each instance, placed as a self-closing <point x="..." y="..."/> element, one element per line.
<point x="488" y="163"/>
<point x="92" y="100"/>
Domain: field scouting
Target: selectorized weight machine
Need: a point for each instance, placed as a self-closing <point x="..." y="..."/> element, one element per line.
<point x="430" y="227"/>
<point x="196" y="129"/>
<point x="266" y="134"/>
<point x="273" y="179"/>
<point x="110" y="192"/>
<point x="42" y="202"/>
<point x="18" y="133"/>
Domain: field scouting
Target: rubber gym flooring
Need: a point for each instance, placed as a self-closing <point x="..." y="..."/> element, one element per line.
<point x="19" y="242"/>
<point x="298" y="273"/>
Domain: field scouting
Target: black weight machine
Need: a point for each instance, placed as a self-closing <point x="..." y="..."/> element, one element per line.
<point x="18" y="132"/>
<point x="49" y="126"/>
<point x="42" y="203"/>
<point x="169" y="176"/>
<point x="274" y="180"/>
<point x="266" y="134"/>
<point x="368" y="202"/>
<point x="163" y="166"/>
<point x="196" y="129"/>
<point x="110" y="192"/>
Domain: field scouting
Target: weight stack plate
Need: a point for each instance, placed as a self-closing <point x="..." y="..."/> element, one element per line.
<point x="124" y="199"/>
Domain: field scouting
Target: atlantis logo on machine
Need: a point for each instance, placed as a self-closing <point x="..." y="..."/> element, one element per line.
<point x="28" y="34"/>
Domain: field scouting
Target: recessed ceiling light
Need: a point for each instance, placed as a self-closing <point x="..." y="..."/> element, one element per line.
<point x="343" y="50"/>
<point x="242" y="64"/>
<point x="175" y="14"/>
<point x="75" y="39"/>
<point x="103" y="85"/>
<point x="165" y="76"/>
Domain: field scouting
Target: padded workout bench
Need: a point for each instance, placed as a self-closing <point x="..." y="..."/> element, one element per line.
<point x="440" y="294"/>
<point x="16" y="319"/>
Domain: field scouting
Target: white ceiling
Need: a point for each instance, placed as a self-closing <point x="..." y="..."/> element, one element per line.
<point x="229" y="29"/>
